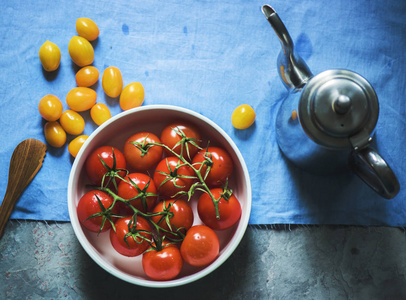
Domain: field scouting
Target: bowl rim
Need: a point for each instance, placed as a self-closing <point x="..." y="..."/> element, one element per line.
<point x="236" y="239"/>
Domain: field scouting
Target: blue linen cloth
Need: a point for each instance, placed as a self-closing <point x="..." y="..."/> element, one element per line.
<point x="211" y="56"/>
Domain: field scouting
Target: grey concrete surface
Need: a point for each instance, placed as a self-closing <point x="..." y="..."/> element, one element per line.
<point x="45" y="261"/>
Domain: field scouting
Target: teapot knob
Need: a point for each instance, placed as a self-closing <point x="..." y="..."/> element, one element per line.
<point x="342" y="104"/>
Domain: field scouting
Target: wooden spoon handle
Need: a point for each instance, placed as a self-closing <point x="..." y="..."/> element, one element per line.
<point x="5" y="211"/>
<point x="24" y="165"/>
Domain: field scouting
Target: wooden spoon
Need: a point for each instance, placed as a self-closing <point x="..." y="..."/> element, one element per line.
<point x="25" y="163"/>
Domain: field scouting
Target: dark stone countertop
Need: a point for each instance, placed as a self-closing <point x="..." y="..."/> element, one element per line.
<point x="41" y="260"/>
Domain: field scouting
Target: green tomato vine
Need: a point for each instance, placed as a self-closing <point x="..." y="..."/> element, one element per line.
<point x="160" y="234"/>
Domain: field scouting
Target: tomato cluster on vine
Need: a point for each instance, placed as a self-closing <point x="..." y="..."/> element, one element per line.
<point x="142" y="196"/>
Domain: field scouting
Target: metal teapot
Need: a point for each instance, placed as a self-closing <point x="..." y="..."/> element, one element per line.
<point x="326" y="123"/>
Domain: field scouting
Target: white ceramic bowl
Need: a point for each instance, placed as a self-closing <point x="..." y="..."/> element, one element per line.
<point x="114" y="132"/>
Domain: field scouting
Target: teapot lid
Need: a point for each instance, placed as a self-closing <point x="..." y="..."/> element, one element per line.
<point x="339" y="109"/>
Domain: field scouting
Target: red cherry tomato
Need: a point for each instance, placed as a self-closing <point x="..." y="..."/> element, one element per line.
<point x="173" y="135"/>
<point x="200" y="247"/>
<point x="172" y="176"/>
<point x="89" y="205"/>
<point x="220" y="163"/>
<point x="95" y="168"/>
<point x="229" y="209"/>
<point x="139" y="152"/>
<point x="141" y="186"/>
<point x="163" y="264"/>
<point x="131" y="237"/>
<point x="180" y="216"/>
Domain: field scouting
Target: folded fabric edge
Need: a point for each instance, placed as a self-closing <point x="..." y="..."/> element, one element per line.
<point x="276" y="226"/>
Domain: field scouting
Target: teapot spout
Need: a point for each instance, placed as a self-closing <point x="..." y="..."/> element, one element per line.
<point x="292" y="69"/>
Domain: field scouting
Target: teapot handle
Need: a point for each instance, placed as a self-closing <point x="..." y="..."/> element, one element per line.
<point x="374" y="171"/>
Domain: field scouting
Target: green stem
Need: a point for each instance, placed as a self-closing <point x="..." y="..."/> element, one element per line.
<point x="200" y="178"/>
<point x="201" y="185"/>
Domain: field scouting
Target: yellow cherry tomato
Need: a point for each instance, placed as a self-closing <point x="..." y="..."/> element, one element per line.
<point x="243" y="116"/>
<point x="72" y="122"/>
<point x="54" y="134"/>
<point x="87" y="28"/>
<point x="50" y="56"/>
<point x="77" y="143"/>
<point x="100" y="113"/>
<point x="87" y="76"/>
<point x="112" y="82"/>
<point x="50" y="107"/>
<point x="81" y="51"/>
<point x="81" y="98"/>
<point x="294" y="115"/>
<point x="132" y="96"/>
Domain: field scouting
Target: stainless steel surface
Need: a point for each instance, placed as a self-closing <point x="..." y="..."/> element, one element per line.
<point x="325" y="125"/>
<point x="374" y="170"/>
<point x="338" y="110"/>
<point x="291" y="67"/>
<point x="303" y="151"/>
<point x="342" y="104"/>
